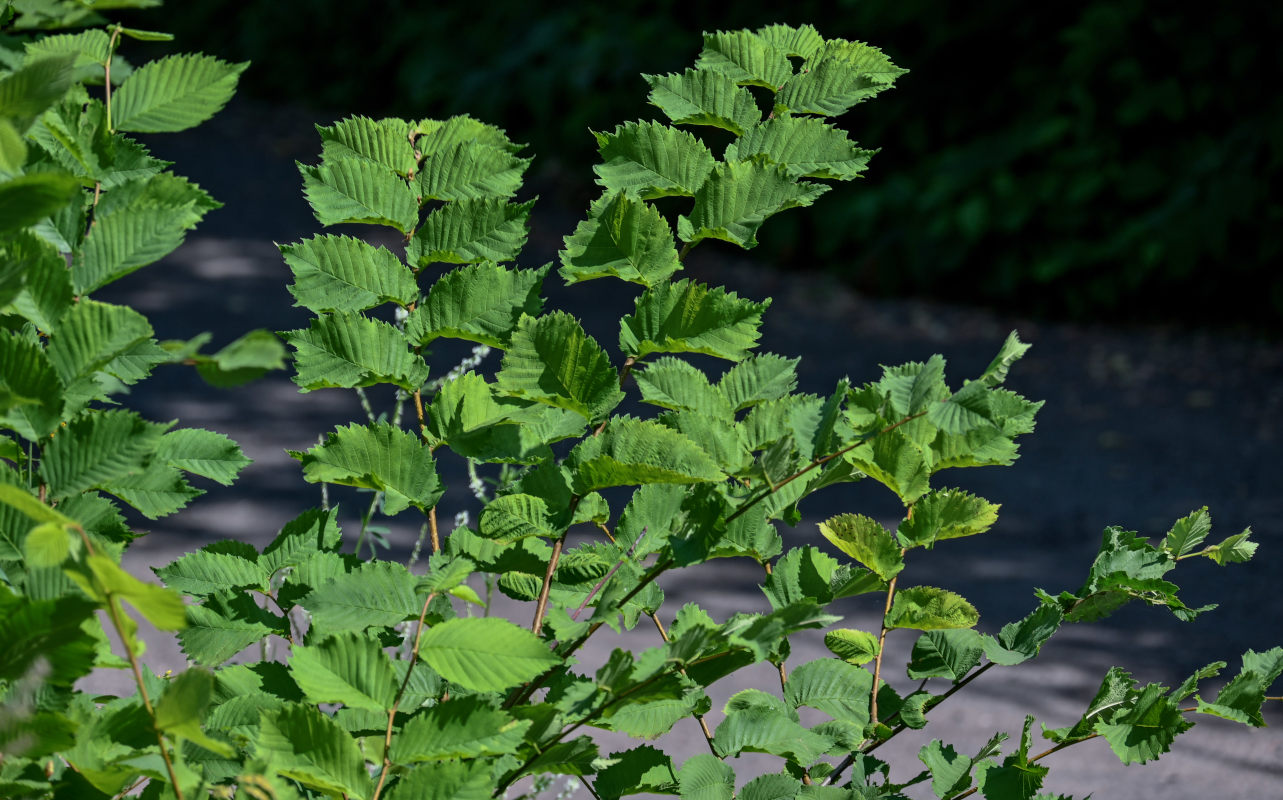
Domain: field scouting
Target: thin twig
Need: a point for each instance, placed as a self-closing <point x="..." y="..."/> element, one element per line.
<point x="400" y="694"/>
<point x="523" y="693"/>
<point x="882" y="640"/>
<point x="772" y="489"/>
<point x="432" y="530"/>
<point x="114" y="613"/>
<point x="593" y="592"/>
<point x="703" y="725"/>
<point x="541" y="607"/>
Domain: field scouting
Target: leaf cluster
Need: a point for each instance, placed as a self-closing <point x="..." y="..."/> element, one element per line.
<point x="391" y="683"/>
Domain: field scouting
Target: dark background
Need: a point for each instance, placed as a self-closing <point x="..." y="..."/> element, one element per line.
<point x="1111" y="160"/>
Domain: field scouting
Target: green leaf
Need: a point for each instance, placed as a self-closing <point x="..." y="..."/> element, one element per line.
<point x="762" y="730"/>
<point x="446" y="781"/>
<point x="914" y="386"/>
<point x="689" y="317"/>
<point x="678" y="385"/>
<point x="348" y="350"/>
<point x="552" y="361"/>
<point x="738" y="197"/>
<point x="145" y="36"/>
<point x="945" y="654"/>
<point x="123" y="242"/>
<point x="465" y="727"/>
<point x="798" y="42"/>
<point x="515" y="516"/>
<point x="356" y="190"/>
<point x="375" y="594"/>
<point x="760" y="378"/>
<point x="470" y="171"/>
<point x="162" y="607"/>
<point x="28" y="379"/>
<point x="201" y="452"/>
<point x="950" y="770"/>
<point x="479" y="303"/>
<point x="226" y="624"/>
<point x="385" y="142"/>
<point x="26" y="93"/>
<point x="866" y="541"/>
<point x="312" y="531"/>
<point x="380" y="457"/>
<point x="348" y="668"/>
<point x="650" y="720"/>
<point x="1020" y="641"/>
<point x="44" y="290"/>
<point x="852" y="646"/>
<point x="339" y="273"/>
<point x="927" y="608"/>
<point x="47" y="545"/>
<point x="24" y="501"/>
<point x="1190" y="684"/>
<point x="1017" y="777"/>
<point x="244" y="360"/>
<point x="1234" y="549"/>
<point x="485" y="654"/>
<point x="51" y="632"/>
<point x="836" y="77"/>
<point x="470" y="231"/>
<point x="631" y="451"/>
<point x="1012" y="350"/>
<point x="1241" y="699"/>
<point x="622" y="238"/>
<point x="837" y="688"/>
<point x="703" y="97"/>
<point x="1188" y="533"/>
<point x="802" y="573"/>
<point x="964" y="411"/>
<point x="435" y="136"/>
<point x="89" y="337"/>
<point x="174" y="93"/>
<point x="181" y="709"/>
<point x="210" y="571"/>
<point x="27" y="199"/>
<point x="806" y="147"/>
<point x="637" y="771"/>
<point x="745" y="58"/>
<point x="13" y="150"/>
<point x="649" y="160"/>
<point x="466" y="415"/>
<point x="97" y="449"/>
<point x="894" y="461"/>
<point x="91" y="47"/>
<point x="314" y="750"/>
<point x="946" y="514"/>
<point x="1145" y="726"/>
<point x="705" y="777"/>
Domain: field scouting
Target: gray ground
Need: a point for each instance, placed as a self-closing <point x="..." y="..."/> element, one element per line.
<point x="1142" y="425"/>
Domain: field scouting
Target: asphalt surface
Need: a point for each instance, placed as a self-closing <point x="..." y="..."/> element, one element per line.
<point x="1142" y="425"/>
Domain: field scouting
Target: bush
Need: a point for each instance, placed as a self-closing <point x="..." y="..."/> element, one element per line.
<point x="390" y="686"/>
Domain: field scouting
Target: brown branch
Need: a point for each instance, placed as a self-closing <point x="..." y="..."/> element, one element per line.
<point x="432" y="530"/>
<point x="114" y="613"/>
<point x="703" y="725"/>
<point x="400" y="694"/>
<point x="541" y="607"/>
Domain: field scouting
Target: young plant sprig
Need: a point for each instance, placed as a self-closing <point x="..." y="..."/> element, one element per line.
<point x="388" y="690"/>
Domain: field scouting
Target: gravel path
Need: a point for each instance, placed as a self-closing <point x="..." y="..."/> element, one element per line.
<point x="1142" y="425"/>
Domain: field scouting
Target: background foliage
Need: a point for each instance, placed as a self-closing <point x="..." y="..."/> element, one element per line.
<point x="1105" y="160"/>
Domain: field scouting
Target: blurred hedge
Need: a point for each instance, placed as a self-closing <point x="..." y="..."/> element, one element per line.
<point x="1110" y="159"/>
